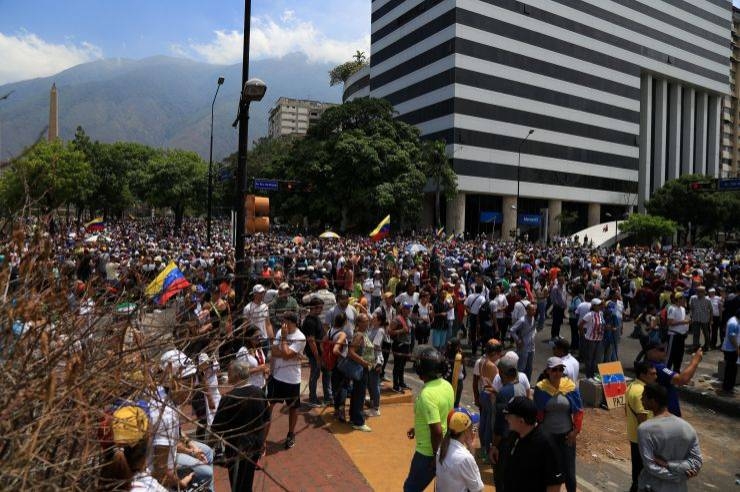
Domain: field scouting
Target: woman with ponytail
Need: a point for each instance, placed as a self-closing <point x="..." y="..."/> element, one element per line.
<point x="457" y="470"/>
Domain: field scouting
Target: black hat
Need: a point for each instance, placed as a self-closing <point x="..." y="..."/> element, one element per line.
<point x="522" y="407"/>
<point x="429" y="362"/>
<point x="315" y="301"/>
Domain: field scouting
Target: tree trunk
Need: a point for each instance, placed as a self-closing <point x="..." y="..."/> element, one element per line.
<point x="179" y="212"/>
<point x="437" y="212"/>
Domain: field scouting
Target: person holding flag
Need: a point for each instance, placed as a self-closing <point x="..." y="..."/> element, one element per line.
<point x="383" y="230"/>
<point x="169" y="282"/>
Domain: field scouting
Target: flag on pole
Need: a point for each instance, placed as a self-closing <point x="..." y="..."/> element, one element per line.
<point x="169" y="282"/>
<point x="383" y="229"/>
<point x="440" y="232"/>
<point x="97" y="224"/>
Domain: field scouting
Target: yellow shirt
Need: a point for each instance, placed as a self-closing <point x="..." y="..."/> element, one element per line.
<point x="634" y="408"/>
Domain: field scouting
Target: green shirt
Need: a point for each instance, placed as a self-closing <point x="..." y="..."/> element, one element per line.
<point x="432" y="405"/>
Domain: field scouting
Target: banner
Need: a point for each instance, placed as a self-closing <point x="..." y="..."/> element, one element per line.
<point x="529" y="219"/>
<point x="614" y="383"/>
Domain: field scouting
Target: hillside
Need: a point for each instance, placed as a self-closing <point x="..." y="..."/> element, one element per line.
<point x="160" y="101"/>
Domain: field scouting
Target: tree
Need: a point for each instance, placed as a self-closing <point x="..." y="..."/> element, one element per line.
<point x="176" y="179"/>
<point x="647" y="228"/>
<point x="566" y="219"/>
<point x="51" y="174"/>
<point x="340" y="73"/>
<point x="440" y="172"/>
<point x="707" y="211"/>
<point x="358" y="158"/>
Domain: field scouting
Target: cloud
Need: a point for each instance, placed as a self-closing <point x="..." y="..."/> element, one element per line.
<point x="274" y="39"/>
<point x="26" y="56"/>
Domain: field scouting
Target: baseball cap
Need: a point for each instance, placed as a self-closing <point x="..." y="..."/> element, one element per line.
<point x="458" y="422"/>
<point x="129" y="425"/>
<point x="284" y="286"/>
<point x="182" y="366"/>
<point x="407" y="305"/>
<point x="258" y="289"/>
<point x="595" y="301"/>
<point x="554" y="362"/>
<point x="522" y="407"/>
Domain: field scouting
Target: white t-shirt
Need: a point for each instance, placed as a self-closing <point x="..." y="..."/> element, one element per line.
<point x="572" y="367"/>
<point x="583" y="309"/>
<point x="289" y="370"/>
<point x="165" y="427"/>
<point x="459" y="471"/>
<point x="497" y="384"/>
<point x="499" y="305"/>
<point x="256" y="378"/>
<point x="257" y="314"/>
<point x="474" y="302"/>
<point x="677" y="313"/>
<point x="144" y="482"/>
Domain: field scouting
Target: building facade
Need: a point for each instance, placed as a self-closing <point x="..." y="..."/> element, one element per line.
<point x="730" y="155"/>
<point x="622" y="96"/>
<point x="294" y="116"/>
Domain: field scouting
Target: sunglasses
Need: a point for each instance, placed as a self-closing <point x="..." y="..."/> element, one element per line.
<point x="557" y="369"/>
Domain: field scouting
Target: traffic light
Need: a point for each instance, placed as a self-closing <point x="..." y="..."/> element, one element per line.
<point x="290" y="186"/>
<point x="702" y="186"/>
<point x="258" y="214"/>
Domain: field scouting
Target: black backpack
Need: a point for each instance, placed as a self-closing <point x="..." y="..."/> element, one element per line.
<point x="484" y="313"/>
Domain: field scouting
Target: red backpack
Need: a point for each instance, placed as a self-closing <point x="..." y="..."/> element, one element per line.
<point x="327" y="351"/>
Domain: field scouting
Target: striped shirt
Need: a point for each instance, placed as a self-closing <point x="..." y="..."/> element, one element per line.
<point x="701" y="309"/>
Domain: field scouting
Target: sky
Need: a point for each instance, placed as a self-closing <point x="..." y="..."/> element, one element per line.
<point x="39" y="38"/>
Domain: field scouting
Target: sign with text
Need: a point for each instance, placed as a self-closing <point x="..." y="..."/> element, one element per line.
<point x="728" y="184"/>
<point x="529" y="219"/>
<point x="614" y="384"/>
<point x="265" y="184"/>
<point x="491" y="217"/>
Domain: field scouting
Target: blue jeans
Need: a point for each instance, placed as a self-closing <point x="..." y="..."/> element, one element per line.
<point x="373" y="388"/>
<point x="525" y="363"/>
<point x="357" y="400"/>
<point x="541" y="313"/>
<point x="421" y="473"/>
<point x="313" y="379"/>
<point x="184" y="464"/>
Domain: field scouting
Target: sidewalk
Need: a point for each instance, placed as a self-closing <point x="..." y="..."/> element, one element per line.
<point x="330" y="456"/>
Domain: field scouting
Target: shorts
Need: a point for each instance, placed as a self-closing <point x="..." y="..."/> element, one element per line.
<point x="281" y="392"/>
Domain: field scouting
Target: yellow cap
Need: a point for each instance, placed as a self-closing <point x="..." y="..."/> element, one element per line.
<point x="129" y="425"/>
<point x="458" y="422"/>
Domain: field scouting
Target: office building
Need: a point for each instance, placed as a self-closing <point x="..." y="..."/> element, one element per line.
<point x="294" y="116"/>
<point x="622" y="96"/>
<point x="730" y="155"/>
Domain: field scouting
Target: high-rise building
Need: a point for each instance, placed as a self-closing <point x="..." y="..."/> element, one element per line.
<point x="622" y="95"/>
<point x="730" y="109"/>
<point x="294" y="116"/>
<point x="53" y="114"/>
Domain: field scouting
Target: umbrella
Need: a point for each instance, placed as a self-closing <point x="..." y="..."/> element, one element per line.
<point x="415" y="248"/>
<point x="329" y="235"/>
<point x="298" y="240"/>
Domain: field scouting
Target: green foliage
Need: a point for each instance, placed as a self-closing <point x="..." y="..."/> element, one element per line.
<point x="340" y="73"/>
<point x="708" y="212"/>
<point x="49" y="175"/>
<point x="176" y="179"/>
<point x="359" y="158"/>
<point x="647" y="228"/>
<point x="566" y="219"/>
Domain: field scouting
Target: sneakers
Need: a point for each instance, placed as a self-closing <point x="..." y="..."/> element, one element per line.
<point x="405" y="386"/>
<point x="397" y="389"/>
<point x="290" y="441"/>
<point x="362" y="428"/>
<point x="315" y="404"/>
<point x="373" y="412"/>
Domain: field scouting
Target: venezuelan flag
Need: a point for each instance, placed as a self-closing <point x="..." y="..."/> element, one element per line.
<point x="97" y="224"/>
<point x="383" y="229"/>
<point x="169" y="282"/>
<point x="440" y="232"/>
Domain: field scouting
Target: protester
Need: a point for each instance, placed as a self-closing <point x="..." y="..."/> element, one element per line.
<point x="313" y="330"/>
<point x="252" y="354"/>
<point x="560" y="412"/>
<point x="678" y="329"/>
<point x="591" y="334"/>
<point x="636" y="413"/>
<point x="241" y="422"/>
<point x="456" y="468"/>
<point x="434" y="403"/>
<point x="700" y="307"/>
<point x="523" y="333"/>
<point x="360" y="355"/>
<point x="669" y="446"/>
<point x="669" y="379"/>
<point x="731" y="351"/>
<point x="400" y="332"/>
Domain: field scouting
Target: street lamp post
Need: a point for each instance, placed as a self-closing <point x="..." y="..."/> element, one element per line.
<point x="210" y="167"/>
<point x="518" y="169"/>
<point x="252" y="90"/>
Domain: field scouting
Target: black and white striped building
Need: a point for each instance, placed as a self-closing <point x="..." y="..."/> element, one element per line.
<point x="622" y="95"/>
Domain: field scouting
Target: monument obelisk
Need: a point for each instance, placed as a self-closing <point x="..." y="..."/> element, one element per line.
<point x="53" y="114"/>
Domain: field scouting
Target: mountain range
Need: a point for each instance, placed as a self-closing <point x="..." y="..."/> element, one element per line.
<point x="159" y="101"/>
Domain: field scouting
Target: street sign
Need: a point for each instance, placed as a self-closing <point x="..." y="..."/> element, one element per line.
<point x="728" y="184"/>
<point x="265" y="184"/>
<point x="529" y="219"/>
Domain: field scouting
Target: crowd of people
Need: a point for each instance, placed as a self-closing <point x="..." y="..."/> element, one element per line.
<point x="350" y="307"/>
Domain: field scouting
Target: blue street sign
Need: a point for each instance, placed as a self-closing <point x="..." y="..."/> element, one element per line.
<point x="266" y="184"/>
<point x="529" y="219"/>
<point x="491" y="217"/>
<point x="729" y="184"/>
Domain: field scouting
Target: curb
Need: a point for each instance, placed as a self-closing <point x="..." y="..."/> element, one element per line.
<point x="709" y="400"/>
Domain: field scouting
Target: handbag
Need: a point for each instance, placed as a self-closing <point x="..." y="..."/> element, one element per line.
<point x="350" y="368"/>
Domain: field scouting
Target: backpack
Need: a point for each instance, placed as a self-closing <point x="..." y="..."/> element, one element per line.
<point x="484" y="313"/>
<point x="328" y="356"/>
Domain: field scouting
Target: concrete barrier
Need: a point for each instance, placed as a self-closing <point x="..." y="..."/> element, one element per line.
<point x="592" y="393"/>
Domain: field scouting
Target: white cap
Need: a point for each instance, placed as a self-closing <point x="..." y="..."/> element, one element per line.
<point x="258" y="289"/>
<point x="595" y="301"/>
<point x="182" y="366"/>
